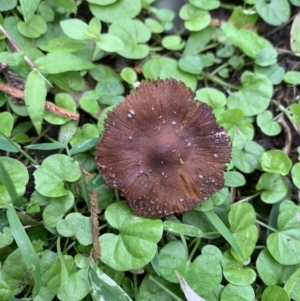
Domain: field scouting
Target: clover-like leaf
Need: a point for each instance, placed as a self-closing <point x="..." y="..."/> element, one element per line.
<point x="75" y="29"/>
<point x="211" y="96"/>
<point x="234" y="179"/>
<point x="33" y="28"/>
<point x="276" y="161"/>
<point x="5" y="237"/>
<point x="135" y="245"/>
<point x="292" y="77"/>
<point x="295" y="37"/>
<point x="275" y="293"/>
<point x="182" y="229"/>
<point x="207" y="5"/>
<point x="254" y="96"/>
<point x="195" y="19"/>
<point x="274" y="12"/>
<point x="133" y="33"/>
<point x="247" y="158"/>
<point x="273" y="186"/>
<point x="115" y="10"/>
<point x="242" y="224"/>
<point x="267" y="125"/>
<point x="284" y="245"/>
<point x="274" y="73"/>
<point x="109" y="42"/>
<point x="78" y="226"/>
<point x="166" y="67"/>
<point x="296" y="174"/>
<point x="58" y="207"/>
<point x="174" y="257"/>
<point x="269" y="270"/>
<point x="173" y="42"/>
<point x="237" y="292"/>
<point x="19" y="176"/>
<point x="235" y="272"/>
<point x="51" y="176"/>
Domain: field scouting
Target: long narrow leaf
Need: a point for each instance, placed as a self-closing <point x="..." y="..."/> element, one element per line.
<point x="22" y="240"/>
<point x="221" y="227"/>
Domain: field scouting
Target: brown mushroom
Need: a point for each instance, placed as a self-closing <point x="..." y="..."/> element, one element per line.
<point x="163" y="150"/>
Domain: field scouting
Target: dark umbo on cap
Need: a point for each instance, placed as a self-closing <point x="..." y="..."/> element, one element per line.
<point x="164" y="151"/>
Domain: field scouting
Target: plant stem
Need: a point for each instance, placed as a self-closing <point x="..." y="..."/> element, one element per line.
<point x="219" y="81"/>
<point x="266" y="226"/>
<point x="249" y="198"/>
<point x="165" y="289"/>
<point x="194" y="249"/>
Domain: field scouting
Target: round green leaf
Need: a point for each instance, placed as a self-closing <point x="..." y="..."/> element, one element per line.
<point x="33" y="28"/>
<point x="64" y="101"/>
<point x="75" y="29"/>
<point x="274" y="293"/>
<point x="234" y="179"/>
<point x="133" y="34"/>
<point x="58" y="207"/>
<point x="116" y="11"/>
<point x="5" y="237"/>
<point x="110" y="43"/>
<point x="173" y="42"/>
<point x="78" y="226"/>
<point x="295" y="36"/>
<point x="284" y="245"/>
<point x="235" y="272"/>
<point x="55" y="170"/>
<point x="88" y="101"/>
<point x="267" y="125"/>
<point x="273" y="186"/>
<point x="211" y="96"/>
<point x="135" y="245"/>
<point x="274" y="12"/>
<point x="254" y="96"/>
<point x="269" y="270"/>
<point x="102" y="2"/>
<point x="129" y="75"/>
<point x="247" y="159"/>
<point x="86" y="132"/>
<point x="8" y="5"/>
<point x="19" y="176"/>
<point x="154" y="26"/>
<point x="233" y="292"/>
<point x="292" y="77"/>
<point x="296" y="174"/>
<point x="195" y="19"/>
<point x="203" y="4"/>
<point x="276" y="161"/>
<point x="6" y="123"/>
<point x="274" y="73"/>
<point x="164" y="68"/>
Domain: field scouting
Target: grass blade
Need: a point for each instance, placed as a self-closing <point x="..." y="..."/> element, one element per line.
<point x="221" y="227"/>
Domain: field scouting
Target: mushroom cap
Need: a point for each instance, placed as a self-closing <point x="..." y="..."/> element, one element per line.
<point x="164" y="151"/>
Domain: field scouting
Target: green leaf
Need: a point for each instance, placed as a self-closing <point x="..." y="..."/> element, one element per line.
<point x="242" y="225"/>
<point x="165" y="68"/>
<point x="236" y="292"/>
<point x="241" y="131"/>
<point x="9" y="146"/>
<point x="274" y="293"/>
<point x="75" y="29"/>
<point x="273" y="186"/>
<point x="110" y="43"/>
<point x="29" y="255"/>
<point x="35" y="98"/>
<point x="153" y="25"/>
<point x="295" y="34"/>
<point x="203" y="4"/>
<point x="84" y="138"/>
<point x="194" y="64"/>
<point x="88" y="101"/>
<point x="254" y="96"/>
<point x="274" y="12"/>
<point x="276" y="161"/>
<point x="78" y="226"/>
<point x="51" y="176"/>
<point x="220" y="226"/>
<point x="6" y="237"/>
<point x="269" y="270"/>
<point x="296" y="174"/>
<point x="173" y="42"/>
<point x="212" y="97"/>
<point x="182" y="229"/>
<point x="292" y="285"/>
<point x="28" y="8"/>
<point x="63" y="44"/>
<point x="116" y="10"/>
<point x="120" y="251"/>
<point x="284" y="244"/>
<point x="18" y="175"/>
<point x="103" y="287"/>
<point x="248" y="158"/>
<point x="6" y="123"/>
<point x="292" y="77"/>
<point x="8" y="5"/>
<point x="33" y="28"/>
<point x="165" y="16"/>
<point x="234" y="179"/>
<point x="133" y="34"/>
<point x="58" y="207"/>
<point x="174" y="257"/>
<point x="235" y="272"/>
<point x="195" y="19"/>
<point x="267" y="125"/>
<point x="129" y="75"/>
<point x="46" y="146"/>
<point x="58" y="61"/>
<point x="85" y="145"/>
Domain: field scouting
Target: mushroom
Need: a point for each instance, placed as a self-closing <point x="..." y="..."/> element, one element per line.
<point x="164" y="151"/>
